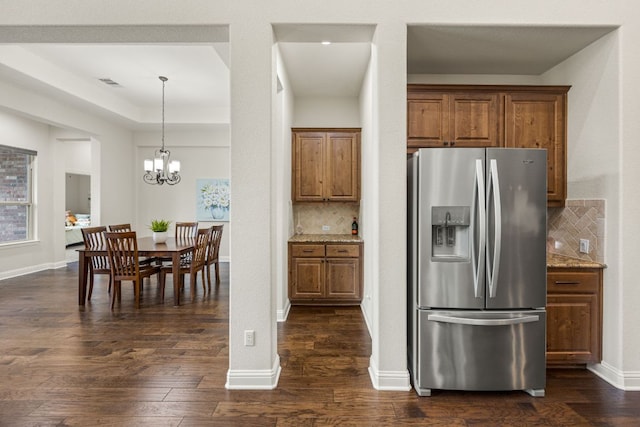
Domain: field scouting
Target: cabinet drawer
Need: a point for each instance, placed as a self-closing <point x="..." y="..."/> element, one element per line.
<point x="350" y="251"/>
<point x="307" y="250"/>
<point x="574" y="280"/>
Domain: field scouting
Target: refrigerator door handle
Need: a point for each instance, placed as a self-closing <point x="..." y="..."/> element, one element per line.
<point x="478" y="208"/>
<point x="493" y="269"/>
<point x="482" y="322"/>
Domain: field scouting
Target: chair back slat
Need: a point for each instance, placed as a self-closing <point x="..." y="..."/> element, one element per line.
<point x="93" y="238"/>
<point x="200" y="251"/>
<point x="120" y="227"/>
<point x="214" y="242"/>
<point x="186" y="230"/>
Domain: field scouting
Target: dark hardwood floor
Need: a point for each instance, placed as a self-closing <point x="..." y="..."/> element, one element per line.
<point x="164" y="366"/>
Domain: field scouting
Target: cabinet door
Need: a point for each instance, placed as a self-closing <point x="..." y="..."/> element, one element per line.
<point x="343" y="278"/>
<point x="307" y="278"/>
<point x="537" y="120"/>
<point x="308" y="166"/>
<point x="342" y="167"/>
<point x="572" y="328"/>
<point x="474" y="120"/>
<point x="574" y="315"/>
<point x="428" y="120"/>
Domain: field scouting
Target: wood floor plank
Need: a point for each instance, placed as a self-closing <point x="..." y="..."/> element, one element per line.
<point x="62" y="365"/>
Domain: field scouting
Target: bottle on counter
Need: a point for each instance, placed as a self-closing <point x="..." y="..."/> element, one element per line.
<point x="354" y="227"/>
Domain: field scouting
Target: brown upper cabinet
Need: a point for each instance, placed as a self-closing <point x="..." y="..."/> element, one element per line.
<point x="538" y="120"/>
<point x="493" y="116"/>
<point x="439" y="119"/>
<point x="326" y="165"/>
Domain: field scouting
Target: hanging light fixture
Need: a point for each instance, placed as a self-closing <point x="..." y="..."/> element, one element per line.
<point x="161" y="169"/>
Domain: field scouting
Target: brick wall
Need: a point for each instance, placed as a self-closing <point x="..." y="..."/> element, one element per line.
<point x="14" y="181"/>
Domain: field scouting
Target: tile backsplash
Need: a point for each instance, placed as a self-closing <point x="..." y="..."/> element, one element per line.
<point x="312" y="216"/>
<point x="579" y="219"/>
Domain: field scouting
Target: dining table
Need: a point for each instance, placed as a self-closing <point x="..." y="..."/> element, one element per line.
<point x="172" y="248"/>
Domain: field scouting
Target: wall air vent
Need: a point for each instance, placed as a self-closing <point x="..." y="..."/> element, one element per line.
<point x="110" y="82"/>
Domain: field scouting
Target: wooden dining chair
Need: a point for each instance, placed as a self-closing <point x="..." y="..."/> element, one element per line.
<point x="120" y="227"/>
<point x="184" y="230"/>
<point x="213" y="249"/>
<point x="191" y="265"/>
<point x="127" y="227"/>
<point x="122" y="247"/>
<point x="93" y="238"/>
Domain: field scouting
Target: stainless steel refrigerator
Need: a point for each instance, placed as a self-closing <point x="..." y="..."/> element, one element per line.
<point x="477" y="220"/>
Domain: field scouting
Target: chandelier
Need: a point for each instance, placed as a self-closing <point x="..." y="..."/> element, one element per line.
<point x="161" y="169"/>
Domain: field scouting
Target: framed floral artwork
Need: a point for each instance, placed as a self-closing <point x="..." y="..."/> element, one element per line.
<point x="214" y="199"/>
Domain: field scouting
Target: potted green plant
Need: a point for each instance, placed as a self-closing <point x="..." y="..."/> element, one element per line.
<point x="159" y="228"/>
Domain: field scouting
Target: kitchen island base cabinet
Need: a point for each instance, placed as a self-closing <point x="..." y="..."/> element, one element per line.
<point x="574" y="316"/>
<point x="325" y="274"/>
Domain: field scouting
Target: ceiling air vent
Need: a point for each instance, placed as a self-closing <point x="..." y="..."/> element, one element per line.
<point x="110" y="82"/>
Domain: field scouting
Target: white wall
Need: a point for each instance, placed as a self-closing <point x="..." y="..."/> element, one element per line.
<point x="367" y="222"/>
<point x="77" y="156"/>
<point x="252" y="74"/>
<point x="78" y="193"/>
<point x="16" y="131"/>
<point x="48" y="122"/>
<point x="594" y="170"/>
<point x="327" y="112"/>
<point x="281" y="157"/>
<point x="202" y="154"/>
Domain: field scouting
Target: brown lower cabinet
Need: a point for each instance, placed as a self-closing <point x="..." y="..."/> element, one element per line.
<point x="325" y="273"/>
<point x="574" y="316"/>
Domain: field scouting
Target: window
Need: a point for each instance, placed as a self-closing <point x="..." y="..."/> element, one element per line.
<point x="16" y="194"/>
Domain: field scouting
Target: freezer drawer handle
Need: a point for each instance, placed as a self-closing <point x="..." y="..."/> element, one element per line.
<point x="482" y="322"/>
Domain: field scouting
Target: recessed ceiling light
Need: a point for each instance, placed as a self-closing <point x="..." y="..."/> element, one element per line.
<point x="326" y="42"/>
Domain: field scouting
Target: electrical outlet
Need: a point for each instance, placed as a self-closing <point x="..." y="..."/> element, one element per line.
<point x="326" y="228"/>
<point x="584" y="246"/>
<point x="249" y="338"/>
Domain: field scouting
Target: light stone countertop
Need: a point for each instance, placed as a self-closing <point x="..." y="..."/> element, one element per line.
<point x="325" y="238"/>
<point x="555" y="260"/>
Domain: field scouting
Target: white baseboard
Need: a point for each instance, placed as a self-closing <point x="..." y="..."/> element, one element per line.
<point x="388" y="380"/>
<point x="624" y="380"/>
<point x="243" y="379"/>
<point x="31" y="269"/>
<point x="284" y="313"/>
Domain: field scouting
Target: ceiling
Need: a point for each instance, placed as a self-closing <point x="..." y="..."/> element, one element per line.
<point x="516" y="50"/>
<point x="198" y="92"/>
